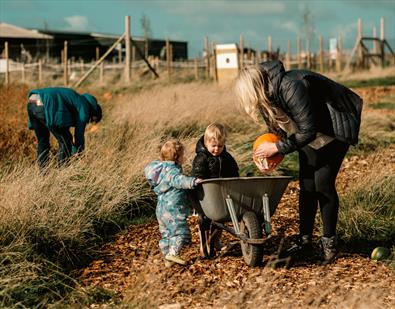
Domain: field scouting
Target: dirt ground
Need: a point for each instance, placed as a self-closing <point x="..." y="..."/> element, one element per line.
<point x="133" y="267"/>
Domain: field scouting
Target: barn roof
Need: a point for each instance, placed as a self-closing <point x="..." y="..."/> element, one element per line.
<point x="12" y="31"/>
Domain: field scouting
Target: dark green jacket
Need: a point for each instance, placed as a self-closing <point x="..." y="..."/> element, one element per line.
<point x="63" y="108"/>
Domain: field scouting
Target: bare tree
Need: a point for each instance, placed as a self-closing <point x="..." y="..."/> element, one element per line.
<point x="146" y="26"/>
<point x="308" y="27"/>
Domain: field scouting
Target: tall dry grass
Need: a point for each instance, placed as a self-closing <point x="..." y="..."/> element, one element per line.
<point x="53" y="223"/>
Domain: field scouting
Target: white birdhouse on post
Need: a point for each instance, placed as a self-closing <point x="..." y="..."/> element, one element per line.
<point x="227" y="62"/>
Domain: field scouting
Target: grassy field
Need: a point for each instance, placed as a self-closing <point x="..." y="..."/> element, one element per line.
<point x="52" y="225"/>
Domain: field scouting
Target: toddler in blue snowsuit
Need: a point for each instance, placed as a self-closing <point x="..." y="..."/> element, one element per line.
<point x="172" y="210"/>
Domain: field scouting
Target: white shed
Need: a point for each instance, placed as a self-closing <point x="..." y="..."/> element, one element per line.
<point x="227" y="62"/>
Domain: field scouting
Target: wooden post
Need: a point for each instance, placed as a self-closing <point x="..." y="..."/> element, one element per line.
<point x="376" y="44"/>
<point x="40" y="71"/>
<point x="298" y="51"/>
<point x="120" y="53"/>
<point x="214" y="62"/>
<point x="196" y="69"/>
<point x="127" y="49"/>
<point x="241" y="51"/>
<point x="360" y="50"/>
<point x="65" y="64"/>
<point x="258" y="56"/>
<point x="321" y="54"/>
<point x="339" y="54"/>
<point x="168" y="57"/>
<point x="82" y="66"/>
<point x="133" y="54"/>
<point x="288" y="56"/>
<point x="171" y="58"/>
<point x="23" y="73"/>
<point x="270" y="46"/>
<point x="382" y="40"/>
<point x="7" y="64"/>
<point x="207" y="57"/>
<point x="97" y="53"/>
<point x="102" y="73"/>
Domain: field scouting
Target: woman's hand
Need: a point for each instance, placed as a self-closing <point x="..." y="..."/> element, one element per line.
<point x="266" y="150"/>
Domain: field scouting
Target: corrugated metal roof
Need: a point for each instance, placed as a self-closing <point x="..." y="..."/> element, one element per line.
<point x="12" y="31"/>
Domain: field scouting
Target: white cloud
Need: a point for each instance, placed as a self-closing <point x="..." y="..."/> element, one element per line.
<point x="225" y="7"/>
<point x="76" y="23"/>
<point x="289" y="26"/>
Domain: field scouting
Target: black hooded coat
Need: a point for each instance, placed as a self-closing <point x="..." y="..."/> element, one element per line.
<point x="315" y="103"/>
<point x="206" y="166"/>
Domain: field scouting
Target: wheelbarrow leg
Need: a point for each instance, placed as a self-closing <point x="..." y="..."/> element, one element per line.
<point x="204" y="235"/>
<point x="214" y="240"/>
<point x="266" y="215"/>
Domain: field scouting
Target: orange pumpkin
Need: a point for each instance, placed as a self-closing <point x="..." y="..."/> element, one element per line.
<point x="264" y="162"/>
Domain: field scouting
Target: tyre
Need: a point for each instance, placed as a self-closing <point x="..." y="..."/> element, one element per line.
<point x="251" y="227"/>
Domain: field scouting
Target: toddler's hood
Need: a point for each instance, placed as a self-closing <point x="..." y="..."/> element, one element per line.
<point x="152" y="172"/>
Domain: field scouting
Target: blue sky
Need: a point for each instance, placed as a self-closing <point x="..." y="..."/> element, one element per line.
<point x="221" y="20"/>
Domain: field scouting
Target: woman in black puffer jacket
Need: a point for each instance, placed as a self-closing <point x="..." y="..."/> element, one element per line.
<point x="315" y="116"/>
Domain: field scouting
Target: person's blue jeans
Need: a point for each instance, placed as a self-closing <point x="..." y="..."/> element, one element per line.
<point x="62" y="135"/>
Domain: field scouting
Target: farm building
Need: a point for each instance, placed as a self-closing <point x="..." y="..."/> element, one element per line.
<point x="23" y="44"/>
<point x="26" y="44"/>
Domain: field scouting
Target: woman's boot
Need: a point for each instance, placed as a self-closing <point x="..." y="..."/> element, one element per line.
<point x="329" y="249"/>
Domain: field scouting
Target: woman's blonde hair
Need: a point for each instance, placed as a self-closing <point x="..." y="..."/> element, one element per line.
<point x="253" y="88"/>
<point x="172" y="150"/>
<point x="215" y="132"/>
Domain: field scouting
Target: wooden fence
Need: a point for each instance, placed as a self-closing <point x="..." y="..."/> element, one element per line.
<point x="74" y="72"/>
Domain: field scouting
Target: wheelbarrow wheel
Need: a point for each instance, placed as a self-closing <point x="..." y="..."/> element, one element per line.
<point x="251" y="227"/>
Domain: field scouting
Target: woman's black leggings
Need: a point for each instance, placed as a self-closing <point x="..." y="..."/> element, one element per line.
<point x="317" y="179"/>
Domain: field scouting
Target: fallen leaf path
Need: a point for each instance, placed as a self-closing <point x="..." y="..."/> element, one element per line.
<point x="133" y="267"/>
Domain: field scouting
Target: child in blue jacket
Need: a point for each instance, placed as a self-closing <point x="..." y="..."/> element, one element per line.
<point x="172" y="210"/>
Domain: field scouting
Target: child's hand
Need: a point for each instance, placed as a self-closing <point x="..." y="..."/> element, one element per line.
<point x="198" y="180"/>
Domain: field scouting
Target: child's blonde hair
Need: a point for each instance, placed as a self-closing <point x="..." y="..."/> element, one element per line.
<point x="172" y="150"/>
<point x="215" y="132"/>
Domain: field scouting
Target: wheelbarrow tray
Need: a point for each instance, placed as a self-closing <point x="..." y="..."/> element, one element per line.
<point x="246" y="193"/>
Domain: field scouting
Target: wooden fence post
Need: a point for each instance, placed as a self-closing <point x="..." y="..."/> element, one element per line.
<point x="171" y="58"/>
<point x="207" y="56"/>
<point x="241" y="59"/>
<point x="168" y="58"/>
<point x="321" y="54"/>
<point x="288" y="56"/>
<point x="298" y="51"/>
<point x="40" y="71"/>
<point x="102" y="73"/>
<point x="23" y="72"/>
<point x="196" y="69"/>
<point x="214" y="62"/>
<point x="269" y="47"/>
<point x="7" y="64"/>
<point x="339" y="54"/>
<point x="82" y="66"/>
<point x="97" y="53"/>
<point x="65" y="65"/>
<point x="127" y="49"/>
<point x="382" y="40"/>
<point x="360" y="50"/>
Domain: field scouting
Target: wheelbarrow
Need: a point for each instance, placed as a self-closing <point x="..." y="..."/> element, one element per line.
<point x="246" y="202"/>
